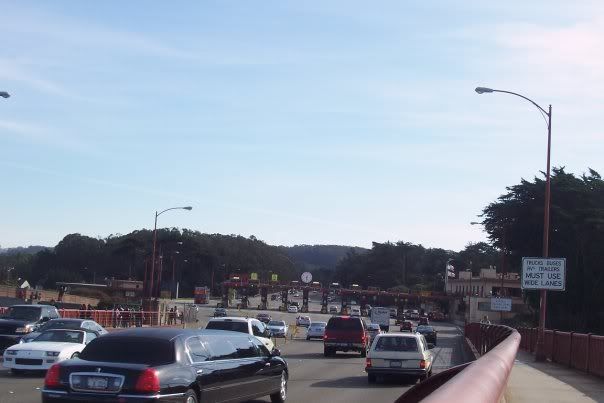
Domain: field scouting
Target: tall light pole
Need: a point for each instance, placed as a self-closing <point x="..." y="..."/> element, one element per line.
<point x="155" y="241"/>
<point x="539" y="351"/>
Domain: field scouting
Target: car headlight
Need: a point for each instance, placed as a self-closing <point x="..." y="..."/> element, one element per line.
<point x="10" y="352"/>
<point x="24" y="329"/>
<point x="52" y="353"/>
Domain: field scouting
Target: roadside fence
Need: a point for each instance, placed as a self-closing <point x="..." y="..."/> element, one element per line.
<point x="582" y="351"/>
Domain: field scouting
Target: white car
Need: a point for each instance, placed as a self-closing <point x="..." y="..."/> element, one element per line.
<point x="277" y="328"/>
<point x="333" y="309"/>
<point x="243" y="325"/>
<point x="48" y="348"/>
<point x="292" y="309"/>
<point x="399" y="354"/>
<point x="355" y="311"/>
<point x="316" y="330"/>
<point x="303" y="321"/>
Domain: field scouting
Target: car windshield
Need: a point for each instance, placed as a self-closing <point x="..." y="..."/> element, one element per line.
<point x="60" y="324"/>
<point x="130" y="350"/>
<point x="61" y="336"/>
<point x="233" y="326"/>
<point x="424" y="329"/>
<point x="276" y="323"/>
<point x="396" y="344"/>
<point x="30" y="313"/>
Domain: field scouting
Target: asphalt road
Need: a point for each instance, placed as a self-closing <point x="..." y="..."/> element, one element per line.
<point x="313" y="378"/>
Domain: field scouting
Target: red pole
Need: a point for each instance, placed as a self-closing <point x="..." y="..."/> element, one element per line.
<point x="540" y="350"/>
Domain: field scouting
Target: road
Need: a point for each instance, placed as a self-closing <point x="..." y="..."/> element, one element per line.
<point x="313" y="377"/>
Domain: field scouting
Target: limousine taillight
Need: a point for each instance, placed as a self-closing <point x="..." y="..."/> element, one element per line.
<point x="148" y="382"/>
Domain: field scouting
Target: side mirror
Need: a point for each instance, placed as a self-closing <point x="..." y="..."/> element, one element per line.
<point x="44" y="319"/>
<point x="276" y="353"/>
<point x="431" y="346"/>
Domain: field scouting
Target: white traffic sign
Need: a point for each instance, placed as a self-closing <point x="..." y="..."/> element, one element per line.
<point x="501" y="304"/>
<point x="539" y="273"/>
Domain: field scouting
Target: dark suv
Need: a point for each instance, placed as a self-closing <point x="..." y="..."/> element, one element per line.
<point x="345" y="333"/>
<point x="20" y="320"/>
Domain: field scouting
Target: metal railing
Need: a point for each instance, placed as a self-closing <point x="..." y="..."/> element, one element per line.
<point x="481" y="381"/>
<point x="576" y="350"/>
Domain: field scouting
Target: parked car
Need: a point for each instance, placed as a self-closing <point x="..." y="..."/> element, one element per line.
<point x="316" y="330"/>
<point x="264" y="317"/>
<point x="277" y="328"/>
<point x="292" y="309"/>
<point x="399" y="354"/>
<point x="406" y="326"/>
<point x="423" y="321"/>
<point x="333" y="309"/>
<point x="303" y="321"/>
<point x="345" y="333"/>
<point x="49" y="347"/>
<point x="428" y="332"/>
<point x="20" y="320"/>
<point x="253" y="327"/>
<point x="220" y="313"/>
<point x="65" y="323"/>
<point x="176" y="365"/>
<point x="373" y="330"/>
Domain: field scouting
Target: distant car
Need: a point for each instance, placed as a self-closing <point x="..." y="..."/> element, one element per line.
<point x="393" y="313"/>
<point x="428" y="332"/>
<point x="252" y="327"/>
<point x="399" y="354"/>
<point x="274" y="297"/>
<point x="355" y="311"/>
<point x="220" y="313"/>
<point x="423" y="321"/>
<point x="333" y="309"/>
<point x="65" y="323"/>
<point x="303" y="321"/>
<point x="413" y="314"/>
<point x="373" y="330"/>
<point x="277" y="328"/>
<point x="438" y="316"/>
<point x="292" y="309"/>
<point x="175" y="365"/>
<point x="316" y="330"/>
<point x="406" y="326"/>
<point x="296" y="295"/>
<point x="263" y="317"/>
<point x="48" y="348"/>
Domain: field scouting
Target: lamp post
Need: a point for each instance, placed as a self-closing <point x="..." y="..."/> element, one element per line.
<point x="539" y="351"/>
<point x="150" y="288"/>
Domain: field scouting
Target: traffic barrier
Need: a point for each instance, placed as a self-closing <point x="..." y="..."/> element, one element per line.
<point x="480" y="381"/>
<point x="576" y="350"/>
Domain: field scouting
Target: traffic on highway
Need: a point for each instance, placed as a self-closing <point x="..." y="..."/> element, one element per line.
<point x="229" y="355"/>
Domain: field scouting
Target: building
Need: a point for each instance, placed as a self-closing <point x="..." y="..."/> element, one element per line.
<point x="476" y="292"/>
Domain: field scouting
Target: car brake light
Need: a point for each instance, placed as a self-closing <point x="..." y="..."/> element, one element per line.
<point x="148" y="381"/>
<point x="422" y="364"/>
<point x="368" y="362"/>
<point x="53" y="376"/>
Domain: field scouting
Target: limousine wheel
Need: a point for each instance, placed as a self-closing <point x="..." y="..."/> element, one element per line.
<point x="190" y="396"/>
<point x="280" y="396"/>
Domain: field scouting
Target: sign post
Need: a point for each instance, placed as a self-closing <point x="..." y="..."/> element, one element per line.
<point x="543" y="274"/>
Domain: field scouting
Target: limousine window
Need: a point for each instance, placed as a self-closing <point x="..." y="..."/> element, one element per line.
<point x="196" y="349"/>
<point x="236" y="347"/>
<point x="131" y="350"/>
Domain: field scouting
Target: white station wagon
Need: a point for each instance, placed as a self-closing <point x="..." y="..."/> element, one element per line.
<point x="399" y="354"/>
<point x="47" y="349"/>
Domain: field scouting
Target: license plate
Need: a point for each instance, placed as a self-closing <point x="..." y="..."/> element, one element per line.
<point x="395" y="364"/>
<point x="96" y="383"/>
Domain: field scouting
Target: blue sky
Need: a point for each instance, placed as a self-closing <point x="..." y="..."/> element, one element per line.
<point x="340" y="122"/>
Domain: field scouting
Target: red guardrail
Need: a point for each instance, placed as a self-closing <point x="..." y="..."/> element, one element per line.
<point x="576" y="350"/>
<point x="481" y="381"/>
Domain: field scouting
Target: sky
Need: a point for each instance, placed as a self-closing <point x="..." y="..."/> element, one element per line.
<point x="298" y="122"/>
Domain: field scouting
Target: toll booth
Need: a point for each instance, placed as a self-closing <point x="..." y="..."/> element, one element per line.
<point x="284" y="296"/>
<point x="263" y="298"/>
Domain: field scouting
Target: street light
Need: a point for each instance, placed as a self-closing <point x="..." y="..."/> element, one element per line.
<point x="155" y="241"/>
<point x="4" y="94"/>
<point x="539" y="351"/>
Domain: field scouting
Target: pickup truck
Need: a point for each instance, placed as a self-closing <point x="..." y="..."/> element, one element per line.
<point x="345" y="333"/>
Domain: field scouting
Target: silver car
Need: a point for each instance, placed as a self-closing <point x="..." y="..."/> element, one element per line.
<point x="316" y="330"/>
<point x="277" y="328"/>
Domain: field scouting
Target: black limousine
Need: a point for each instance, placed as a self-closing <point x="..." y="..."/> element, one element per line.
<point x="169" y="365"/>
